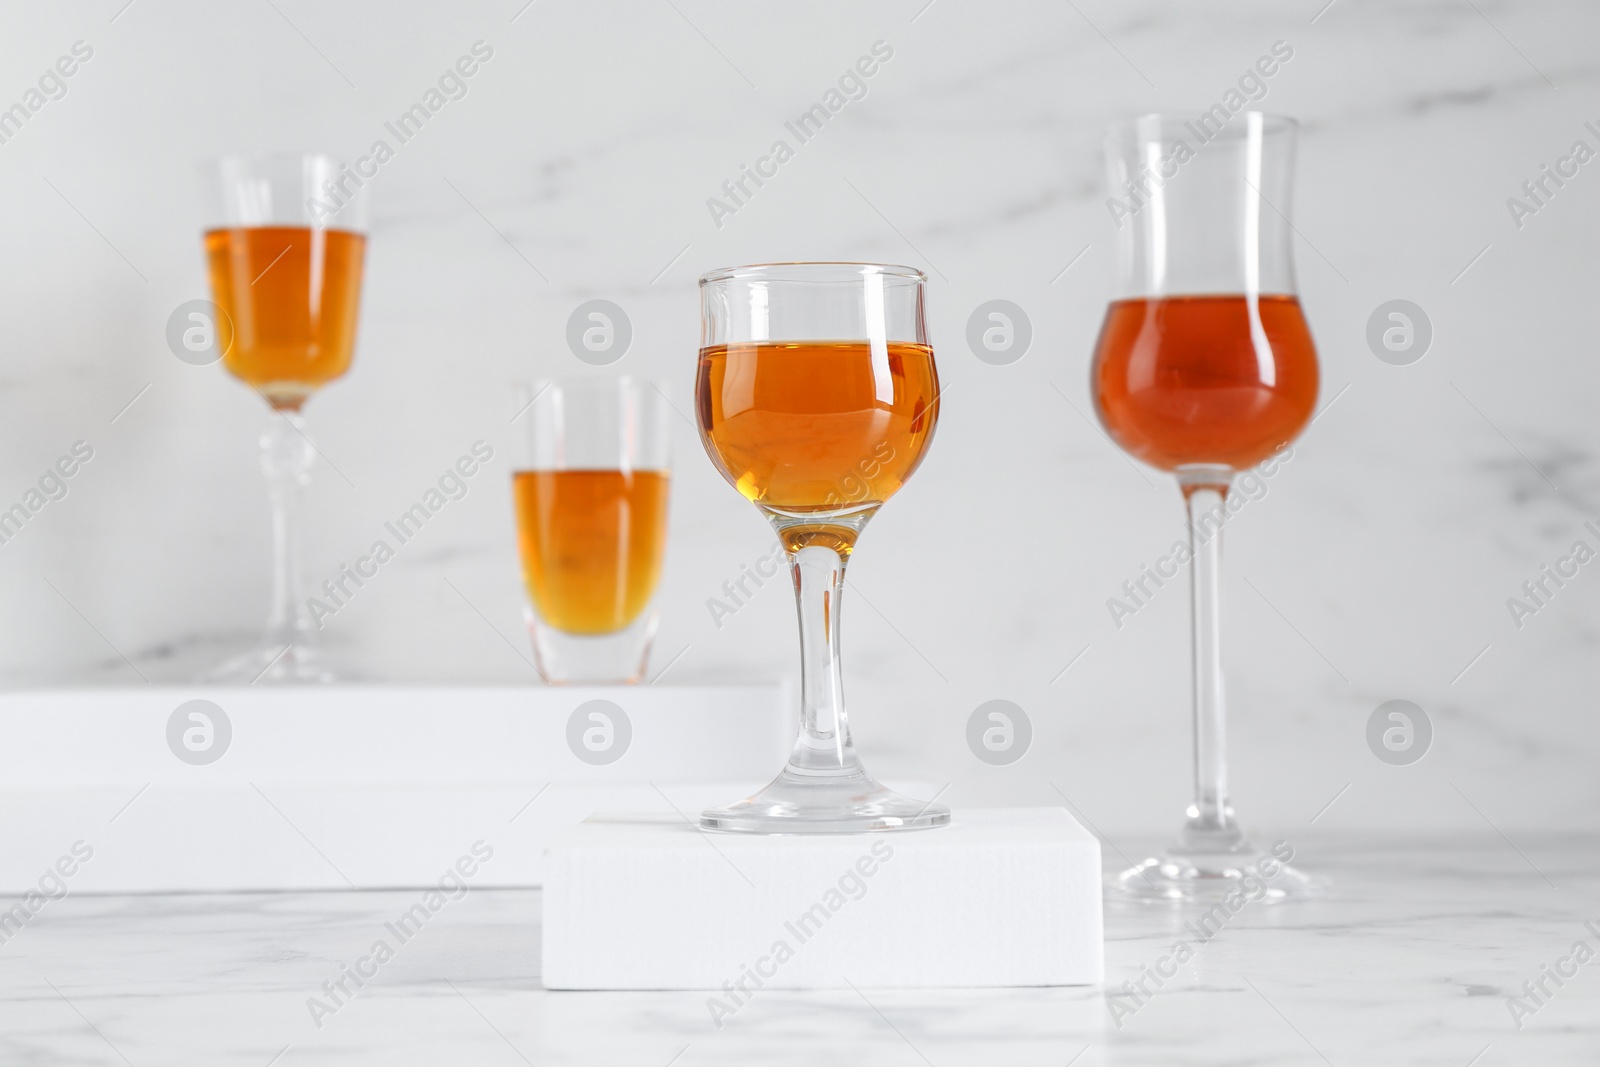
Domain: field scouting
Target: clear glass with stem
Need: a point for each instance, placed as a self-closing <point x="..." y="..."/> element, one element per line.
<point x="816" y="398"/>
<point x="1205" y="367"/>
<point x="593" y="469"/>
<point x="285" y="244"/>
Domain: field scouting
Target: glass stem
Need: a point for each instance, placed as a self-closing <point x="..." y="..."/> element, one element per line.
<point x="1210" y="825"/>
<point x="286" y="458"/>
<point x="823" y="747"/>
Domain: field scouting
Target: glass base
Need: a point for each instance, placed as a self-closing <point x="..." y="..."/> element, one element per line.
<point x="840" y="804"/>
<point x="272" y="665"/>
<point x="1212" y="876"/>
<point x="617" y="658"/>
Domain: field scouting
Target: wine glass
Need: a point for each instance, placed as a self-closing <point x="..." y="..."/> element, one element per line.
<point x="1205" y="367"/>
<point x="284" y="248"/>
<point x="590" y="491"/>
<point x="816" y="398"/>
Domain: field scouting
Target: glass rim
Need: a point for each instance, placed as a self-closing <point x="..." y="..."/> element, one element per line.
<point x="343" y="211"/>
<point x="632" y="405"/>
<point x="808" y="270"/>
<point x="217" y="160"/>
<point x="1272" y="122"/>
<point x="606" y="382"/>
<point x="589" y="389"/>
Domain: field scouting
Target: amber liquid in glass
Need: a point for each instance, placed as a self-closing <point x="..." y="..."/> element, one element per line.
<point x="293" y="294"/>
<point x="592" y="542"/>
<point x="812" y="427"/>
<point x="1205" y="379"/>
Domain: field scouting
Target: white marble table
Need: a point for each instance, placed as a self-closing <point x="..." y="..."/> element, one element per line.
<point x="1411" y="963"/>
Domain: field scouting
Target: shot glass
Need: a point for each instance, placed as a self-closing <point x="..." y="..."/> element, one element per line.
<point x="590" y="492"/>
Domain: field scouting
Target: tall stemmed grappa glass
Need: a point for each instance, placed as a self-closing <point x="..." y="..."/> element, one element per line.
<point x="285" y="246"/>
<point x="817" y="397"/>
<point x="1205" y="367"/>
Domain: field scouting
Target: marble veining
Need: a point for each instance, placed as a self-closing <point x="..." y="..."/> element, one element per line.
<point x="1410" y="962"/>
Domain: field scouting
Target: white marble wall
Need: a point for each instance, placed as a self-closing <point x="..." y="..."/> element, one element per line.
<point x="1377" y="567"/>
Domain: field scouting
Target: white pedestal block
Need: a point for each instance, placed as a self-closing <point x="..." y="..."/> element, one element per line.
<point x="1000" y="897"/>
<point x="329" y="787"/>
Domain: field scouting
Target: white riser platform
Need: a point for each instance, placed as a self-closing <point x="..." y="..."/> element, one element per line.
<point x="375" y="786"/>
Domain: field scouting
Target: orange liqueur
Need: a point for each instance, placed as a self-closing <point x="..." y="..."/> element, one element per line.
<point x="812" y="427"/>
<point x="1220" y="380"/>
<point x="592" y="543"/>
<point x="292" y="294"/>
